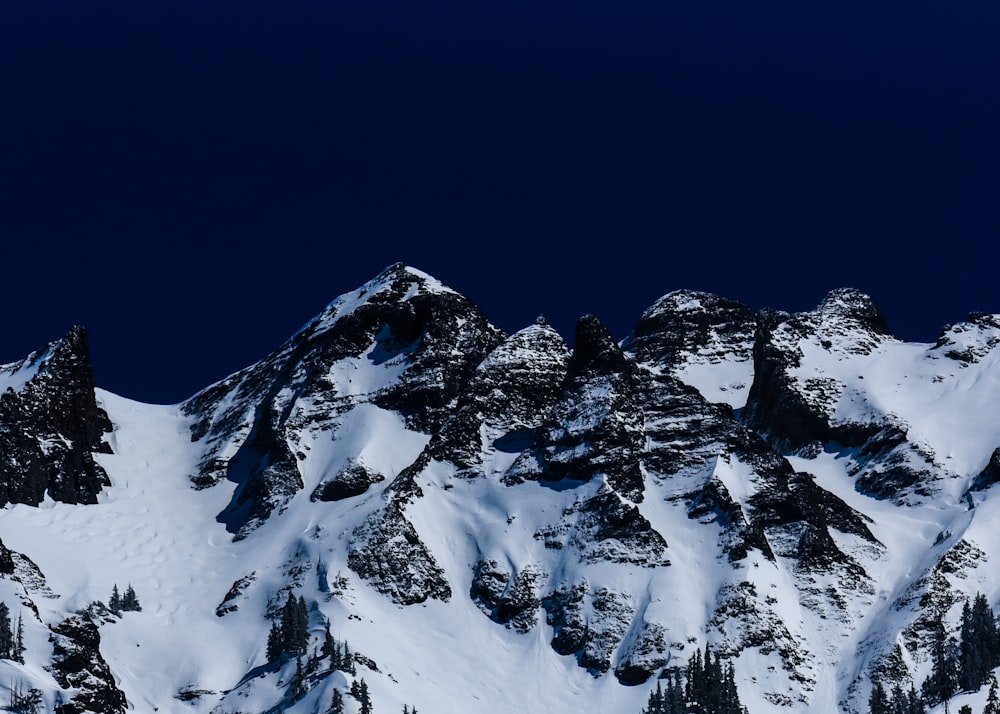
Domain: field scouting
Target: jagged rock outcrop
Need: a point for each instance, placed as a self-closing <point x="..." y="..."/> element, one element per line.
<point x="507" y="398"/>
<point x="694" y="336"/>
<point x="793" y="411"/>
<point x="352" y="480"/>
<point x="507" y="598"/>
<point x="387" y="552"/>
<point x="595" y="428"/>
<point x="50" y="425"/>
<point x="77" y="665"/>
<point x="970" y="341"/>
<point x="990" y="473"/>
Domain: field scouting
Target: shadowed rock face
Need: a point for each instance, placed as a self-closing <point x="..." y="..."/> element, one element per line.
<point x="78" y="665"/>
<point x="792" y="413"/>
<point x="595" y="427"/>
<point x="686" y="323"/>
<point x="50" y="427"/>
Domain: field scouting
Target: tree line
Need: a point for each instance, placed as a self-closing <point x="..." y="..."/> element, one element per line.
<point x="964" y="665"/>
<point x="708" y="687"/>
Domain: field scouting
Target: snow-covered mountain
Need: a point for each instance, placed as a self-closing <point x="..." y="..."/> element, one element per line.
<point x="496" y="523"/>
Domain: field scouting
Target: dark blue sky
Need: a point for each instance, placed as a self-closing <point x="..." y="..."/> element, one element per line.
<point x="193" y="181"/>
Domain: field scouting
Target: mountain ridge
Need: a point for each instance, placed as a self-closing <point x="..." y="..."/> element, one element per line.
<point x="793" y="489"/>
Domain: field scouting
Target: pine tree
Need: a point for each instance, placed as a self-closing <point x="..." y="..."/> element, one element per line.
<point x="898" y="703"/>
<point x="675" y="702"/>
<point x="656" y="702"/>
<point x="992" y="699"/>
<point x="297" y="688"/>
<point x="878" y="701"/>
<point x="130" y="601"/>
<point x="6" y="634"/>
<point x="968" y="663"/>
<point x="115" y="603"/>
<point x="965" y="709"/>
<point x="347" y="660"/>
<point x="915" y="703"/>
<point x="17" y="654"/>
<point x="943" y="680"/>
<point x="302" y="624"/>
<point x="337" y="705"/>
<point x="329" y="644"/>
<point x="275" y="646"/>
<point x="364" y="698"/>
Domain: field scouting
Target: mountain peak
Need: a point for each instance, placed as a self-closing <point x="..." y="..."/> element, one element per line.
<point x="594" y="347"/>
<point x="856" y="305"/>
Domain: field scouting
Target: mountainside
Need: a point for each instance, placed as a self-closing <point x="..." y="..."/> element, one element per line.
<point x="404" y="496"/>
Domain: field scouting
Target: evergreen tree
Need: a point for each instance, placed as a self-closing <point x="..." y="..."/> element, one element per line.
<point x="675" y="700"/>
<point x="364" y="698"/>
<point x="692" y="688"/>
<point x="655" y="705"/>
<point x="347" y="660"/>
<point x="289" y="636"/>
<point x="17" y="653"/>
<point x="275" y="645"/>
<point x="302" y="624"/>
<point x="295" y="625"/>
<point x="943" y="680"/>
<point x="329" y="644"/>
<point x="878" y="700"/>
<point x="965" y="709"/>
<point x="979" y="648"/>
<point x="130" y="601"/>
<point x="337" y="705"/>
<point x="992" y="699"/>
<point x="297" y="687"/>
<point x="6" y="634"/>
<point x="115" y="603"/>
<point x="898" y="703"/>
<point x="916" y="704"/>
<point x="708" y="677"/>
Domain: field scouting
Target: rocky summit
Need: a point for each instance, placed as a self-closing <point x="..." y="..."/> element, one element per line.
<point x="402" y="508"/>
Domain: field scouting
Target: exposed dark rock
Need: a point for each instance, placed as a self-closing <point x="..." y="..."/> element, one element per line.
<point x="604" y="528"/>
<point x="229" y="602"/>
<point x="508" y="599"/>
<point x="77" y="664"/>
<point x="794" y="413"/>
<point x="50" y="427"/>
<point x="775" y="407"/>
<point x="508" y="397"/>
<point x="990" y="473"/>
<point x="387" y="552"/>
<point x="353" y="480"/>
<point x="592" y="639"/>
<point x="564" y="612"/>
<point x="686" y="325"/>
<point x="596" y="426"/>
<point x="968" y="342"/>
<point x="645" y="656"/>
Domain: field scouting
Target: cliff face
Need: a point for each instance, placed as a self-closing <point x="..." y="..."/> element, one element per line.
<point x="50" y="425"/>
